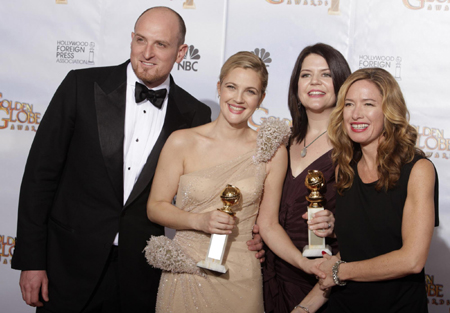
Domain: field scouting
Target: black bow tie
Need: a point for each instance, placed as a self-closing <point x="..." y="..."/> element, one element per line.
<point x="156" y="97"/>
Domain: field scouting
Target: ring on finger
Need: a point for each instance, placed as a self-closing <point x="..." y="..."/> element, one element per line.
<point x="329" y="225"/>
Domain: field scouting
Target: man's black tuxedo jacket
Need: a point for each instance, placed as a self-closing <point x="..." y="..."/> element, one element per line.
<point x="71" y="198"/>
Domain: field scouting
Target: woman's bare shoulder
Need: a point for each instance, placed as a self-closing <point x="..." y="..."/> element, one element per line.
<point x="186" y="138"/>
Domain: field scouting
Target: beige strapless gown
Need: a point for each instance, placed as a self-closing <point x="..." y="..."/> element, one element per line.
<point x="240" y="289"/>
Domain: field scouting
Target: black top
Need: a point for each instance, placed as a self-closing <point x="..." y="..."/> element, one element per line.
<point x="368" y="224"/>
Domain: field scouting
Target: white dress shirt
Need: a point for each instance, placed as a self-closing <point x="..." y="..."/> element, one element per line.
<point x="143" y="124"/>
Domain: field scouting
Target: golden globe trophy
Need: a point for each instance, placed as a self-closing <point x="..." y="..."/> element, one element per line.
<point x="229" y="196"/>
<point x="315" y="181"/>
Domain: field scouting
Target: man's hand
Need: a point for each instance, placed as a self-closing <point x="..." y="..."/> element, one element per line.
<point x="256" y="244"/>
<point x="31" y="282"/>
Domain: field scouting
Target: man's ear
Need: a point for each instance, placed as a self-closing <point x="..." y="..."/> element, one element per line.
<point x="181" y="52"/>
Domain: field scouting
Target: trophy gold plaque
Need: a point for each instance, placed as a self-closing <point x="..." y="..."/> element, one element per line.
<point x="315" y="181"/>
<point x="229" y="196"/>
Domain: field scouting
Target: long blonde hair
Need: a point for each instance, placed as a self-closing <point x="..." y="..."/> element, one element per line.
<point x="398" y="146"/>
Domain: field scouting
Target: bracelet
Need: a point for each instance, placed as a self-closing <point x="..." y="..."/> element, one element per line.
<point x="301" y="307"/>
<point x="335" y="272"/>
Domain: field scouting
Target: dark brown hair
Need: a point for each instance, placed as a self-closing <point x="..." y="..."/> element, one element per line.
<point x="339" y="72"/>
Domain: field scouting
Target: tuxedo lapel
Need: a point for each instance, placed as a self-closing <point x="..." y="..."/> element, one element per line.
<point x="110" y="99"/>
<point x="173" y="121"/>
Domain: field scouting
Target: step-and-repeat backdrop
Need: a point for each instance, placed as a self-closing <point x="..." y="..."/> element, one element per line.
<point x="42" y="40"/>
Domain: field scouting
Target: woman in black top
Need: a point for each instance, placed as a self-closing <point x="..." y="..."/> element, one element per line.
<point x="386" y="207"/>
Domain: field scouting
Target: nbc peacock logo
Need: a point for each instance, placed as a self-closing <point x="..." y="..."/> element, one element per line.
<point x="263" y="55"/>
<point x="190" y="61"/>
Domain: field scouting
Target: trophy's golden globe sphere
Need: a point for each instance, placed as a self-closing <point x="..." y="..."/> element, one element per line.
<point x="230" y="196"/>
<point x="315" y="181"/>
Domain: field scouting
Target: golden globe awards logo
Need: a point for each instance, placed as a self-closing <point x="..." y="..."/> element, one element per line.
<point x="332" y="10"/>
<point x="16" y="115"/>
<point x="260" y="115"/>
<point x="435" y="292"/>
<point x="7" y="245"/>
<point x="189" y="4"/>
<point x="75" y="52"/>
<point x="430" y="5"/>
<point x="433" y="142"/>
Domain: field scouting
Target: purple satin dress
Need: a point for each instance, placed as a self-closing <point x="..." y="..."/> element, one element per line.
<point x="285" y="286"/>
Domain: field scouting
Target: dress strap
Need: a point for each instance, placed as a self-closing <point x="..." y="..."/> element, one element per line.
<point x="272" y="133"/>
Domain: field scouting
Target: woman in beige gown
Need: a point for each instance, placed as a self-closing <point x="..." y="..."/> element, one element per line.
<point x="196" y="165"/>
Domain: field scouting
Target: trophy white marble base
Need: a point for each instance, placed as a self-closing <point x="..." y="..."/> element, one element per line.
<point x="316" y="252"/>
<point x="213" y="260"/>
<point x="213" y="265"/>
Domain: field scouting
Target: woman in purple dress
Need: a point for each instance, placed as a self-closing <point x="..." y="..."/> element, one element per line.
<point x="318" y="74"/>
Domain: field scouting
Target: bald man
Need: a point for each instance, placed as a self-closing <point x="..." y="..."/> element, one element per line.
<point x="82" y="221"/>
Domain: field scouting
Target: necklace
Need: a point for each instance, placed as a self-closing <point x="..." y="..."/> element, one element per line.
<point x="305" y="149"/>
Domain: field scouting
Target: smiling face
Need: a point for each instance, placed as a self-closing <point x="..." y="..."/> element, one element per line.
<point x="363" y="113"/>
<point x="240" y="94"/>
<point x="315" y="85"/>
<point x="155" y="46"/>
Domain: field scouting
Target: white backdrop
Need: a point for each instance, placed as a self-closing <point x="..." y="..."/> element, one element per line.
<point x="42" y="40"/>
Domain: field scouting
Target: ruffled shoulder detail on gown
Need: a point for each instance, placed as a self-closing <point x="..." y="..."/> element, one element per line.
<point x="164" y="253"/>
<point x="272" y="133"/>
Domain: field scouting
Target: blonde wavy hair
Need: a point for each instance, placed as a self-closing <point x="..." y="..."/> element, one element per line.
<point x="398" y="146"/>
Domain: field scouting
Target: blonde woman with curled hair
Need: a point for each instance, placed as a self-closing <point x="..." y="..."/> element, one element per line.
<point x="387" y="204"/>
<point x="399" y="137"/>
